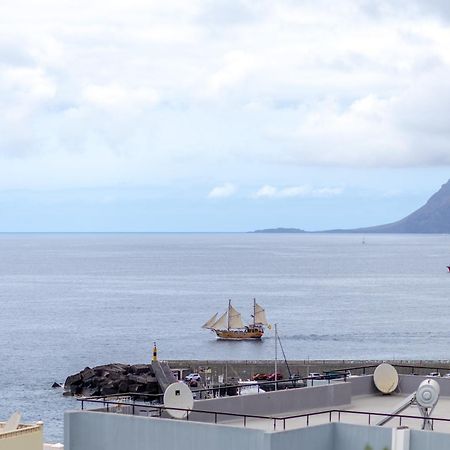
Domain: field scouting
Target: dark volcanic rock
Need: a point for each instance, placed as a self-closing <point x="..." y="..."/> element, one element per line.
<point x="109" y="388"/>
<point x="112" y="379"/>
<point x="87" y="374"/>
<point x="72" y="380"/>
<point x="139" y="369"/>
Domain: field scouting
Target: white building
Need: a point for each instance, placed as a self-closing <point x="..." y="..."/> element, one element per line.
<point x="338" y="416"/>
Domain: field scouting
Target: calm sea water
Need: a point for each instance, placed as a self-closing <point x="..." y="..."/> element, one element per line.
<point x="75" y="300"/>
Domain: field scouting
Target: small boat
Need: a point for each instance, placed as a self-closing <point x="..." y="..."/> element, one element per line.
<point x="448" y="267"/>
<point x="230" y="326"/>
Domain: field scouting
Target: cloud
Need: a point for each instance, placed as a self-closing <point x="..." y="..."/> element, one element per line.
<point x="268" y="191"/>
<point x="188" y="88"/>
<point x="223" y="191"/>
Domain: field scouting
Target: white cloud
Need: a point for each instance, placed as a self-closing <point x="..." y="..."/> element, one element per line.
<point x="268" y="191"/>
<point x="163" y="91"/>
<point x="113" y="95"/>
<point x="223" y="191"/>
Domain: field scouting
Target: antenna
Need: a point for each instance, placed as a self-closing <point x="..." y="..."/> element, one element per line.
<point x="425" y="398"/>
<point x="428" y="393"/>
<point x="178" y="395"/>
<point x="385" y="378"/>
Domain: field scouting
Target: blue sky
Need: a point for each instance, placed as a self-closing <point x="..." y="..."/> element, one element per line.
<point x="220" y="115"/>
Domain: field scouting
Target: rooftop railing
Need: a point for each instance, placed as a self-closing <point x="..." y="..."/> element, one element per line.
<point x="276" y="422"/>
<point x="413" y="369"/>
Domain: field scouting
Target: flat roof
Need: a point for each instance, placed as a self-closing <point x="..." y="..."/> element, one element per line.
<point x="381" y="404"/>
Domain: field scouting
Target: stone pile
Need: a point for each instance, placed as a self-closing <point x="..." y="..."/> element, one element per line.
<point x="112" y="379"/>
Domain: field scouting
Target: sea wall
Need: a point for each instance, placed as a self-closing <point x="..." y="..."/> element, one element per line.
<point x="246" y="369"/>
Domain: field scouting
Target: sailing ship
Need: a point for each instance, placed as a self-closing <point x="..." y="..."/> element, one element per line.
<point x="230" y="324"/>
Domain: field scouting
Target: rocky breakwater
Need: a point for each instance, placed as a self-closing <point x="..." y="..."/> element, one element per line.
<point x="112" y="379"/>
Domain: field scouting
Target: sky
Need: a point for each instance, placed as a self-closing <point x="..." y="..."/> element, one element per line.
<point x="221" y="115"/>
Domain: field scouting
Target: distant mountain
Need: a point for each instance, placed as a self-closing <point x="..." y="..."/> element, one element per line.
<point x="433" y="217"/>
<point x="280" y="230"/>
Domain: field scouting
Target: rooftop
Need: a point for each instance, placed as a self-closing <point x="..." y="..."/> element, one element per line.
<point x="352" y="403"/>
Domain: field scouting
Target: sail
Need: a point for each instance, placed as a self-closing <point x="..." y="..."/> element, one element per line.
<point x="221" y="324"/>
<point x="260" y="315"/>
<point x="234" y="318"/>
<point x="210" y="322"/>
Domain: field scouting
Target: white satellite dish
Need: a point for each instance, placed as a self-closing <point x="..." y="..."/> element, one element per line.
<point x="427" y="394"/>
<point x="178" y="395"/>
<point x="385" y="378"/>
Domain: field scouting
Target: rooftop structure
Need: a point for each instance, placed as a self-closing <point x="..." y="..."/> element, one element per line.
<point x="15" y="436"/>
<point x="339" y="415"/>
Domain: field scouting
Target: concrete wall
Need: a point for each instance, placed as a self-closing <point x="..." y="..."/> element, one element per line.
<point x="85" y="430"/>
<point x="363" y="385"/>
<point x="105" y="431"/>
<point x="334" y="436"/>
<point x="247" y="368"/>
<point x="409" y="383"/>
<point x="358" y="437"/>
<point x="320" y="437"/>
<point x="23" y="439"/>
<point x="276" y="402"/>
<point x="429" y="440"/>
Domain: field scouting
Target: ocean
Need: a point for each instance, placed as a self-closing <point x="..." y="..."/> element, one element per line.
<point x="74" y="300"/>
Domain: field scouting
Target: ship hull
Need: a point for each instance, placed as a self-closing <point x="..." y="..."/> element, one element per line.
<point x="239" y="335"/>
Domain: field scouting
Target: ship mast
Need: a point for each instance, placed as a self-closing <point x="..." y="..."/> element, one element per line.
<point x="254" y="312"/>
<point x="229" y="307"/>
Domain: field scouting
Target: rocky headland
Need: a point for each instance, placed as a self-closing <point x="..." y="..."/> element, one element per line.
<point x="433" y="217"/>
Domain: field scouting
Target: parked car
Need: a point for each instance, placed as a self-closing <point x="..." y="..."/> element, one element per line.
<point x="315" y="375"/>
<point x="434" y="374"/>
<point x="271" y="377"/>
<point x="260" y="377"/>
<point x="192" y="377"/>
<point x="447" y="375"/>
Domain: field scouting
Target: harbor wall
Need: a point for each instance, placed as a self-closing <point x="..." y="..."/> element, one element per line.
<point x="246" y="369"/>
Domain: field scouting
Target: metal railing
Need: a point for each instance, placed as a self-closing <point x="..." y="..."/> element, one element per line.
<point x="277" y="422"/>
<point x="414" y="368"/>
<point x="222" y="390"/>
<point x="279" y="385"/>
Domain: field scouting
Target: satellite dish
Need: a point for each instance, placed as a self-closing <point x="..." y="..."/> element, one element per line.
<point x="178" y="395"/>
<point x="427" y="394"/>
<point x="385" y="378"/>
